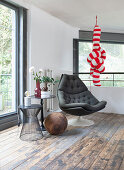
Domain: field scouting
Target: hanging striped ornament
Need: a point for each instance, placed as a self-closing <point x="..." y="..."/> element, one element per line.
<point x="96" y="57"/>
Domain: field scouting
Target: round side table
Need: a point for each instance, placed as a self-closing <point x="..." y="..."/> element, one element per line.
<point x="31" y="130"/>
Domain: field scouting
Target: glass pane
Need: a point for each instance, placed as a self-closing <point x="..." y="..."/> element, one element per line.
<point x="84" y="49"/>
<point x="119" y="77"/>
<point x="7" y="60"/>
<point x="119" y="80"/>
<point x="107" y="83"/>
<point x="6" y="17"/>
<point x="114" y="61"/>
<point x="85" y="76"/>
<point x="115" y="57"/>
<point x="106" y="77"/>
<point x="88" y="83"/>
<point x="119" y="83"/>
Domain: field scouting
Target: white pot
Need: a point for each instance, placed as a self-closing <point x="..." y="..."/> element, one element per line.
<point x="45" y="93"/>
<point x="27" y="101"/>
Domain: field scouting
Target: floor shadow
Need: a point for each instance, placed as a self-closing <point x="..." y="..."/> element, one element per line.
<point x="72" y="132"/>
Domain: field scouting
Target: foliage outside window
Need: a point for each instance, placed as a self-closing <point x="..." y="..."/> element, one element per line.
<point x="7" y="60"/>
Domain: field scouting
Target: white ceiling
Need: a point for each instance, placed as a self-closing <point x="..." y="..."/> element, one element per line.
<point x="82" y="13"/>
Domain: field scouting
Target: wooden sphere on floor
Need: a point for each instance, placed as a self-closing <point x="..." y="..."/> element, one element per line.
<point x="56" y="123"/>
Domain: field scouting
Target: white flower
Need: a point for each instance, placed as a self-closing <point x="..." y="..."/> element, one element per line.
<point x="31" y="69"/>
<point x="27" y="93"/>
<point x="40" y="70"/>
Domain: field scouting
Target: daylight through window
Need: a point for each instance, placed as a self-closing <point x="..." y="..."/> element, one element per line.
<point x="7" y="60"/>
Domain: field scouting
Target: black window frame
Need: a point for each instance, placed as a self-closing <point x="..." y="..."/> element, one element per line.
<point x="10" y="119"/>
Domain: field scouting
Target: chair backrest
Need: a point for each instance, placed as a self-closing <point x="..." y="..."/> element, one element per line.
<point x="72" y="90"/>
<point x="71" y="84"/>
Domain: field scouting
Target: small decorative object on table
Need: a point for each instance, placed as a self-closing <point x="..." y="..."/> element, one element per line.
<point x="37" y="89"/>
<point x="37" y="77"/>
<point x="27" y="99"/>
<point x="40" y="78"/>
<point x="56" y="123"/>
<point x="47" y="82"/>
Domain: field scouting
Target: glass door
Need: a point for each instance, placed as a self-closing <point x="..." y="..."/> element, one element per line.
<point x="8" y="60"/>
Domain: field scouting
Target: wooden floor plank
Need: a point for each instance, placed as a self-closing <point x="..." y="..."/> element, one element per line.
<point x="94" y="152"/>
<point x="64" y="156"/>
<point x="9" y="130"/>
<point x="122" y="165"/>
<point x="49" y="157"/>
<point x="96" y="147"/>
<point x="106" y="153"/>
<point x="17" y="146"/>
<point x="9" y="136"/>
<point x="116" y="159"/>
<point x="66" y="138"/>
<point x="24" y="152"/>
<point x="21" y="159"/>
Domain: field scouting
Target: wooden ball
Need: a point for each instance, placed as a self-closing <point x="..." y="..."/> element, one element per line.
<point x="56" y="123"/>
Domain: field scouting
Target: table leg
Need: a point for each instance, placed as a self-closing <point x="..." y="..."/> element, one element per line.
<point x="42" y="117"/>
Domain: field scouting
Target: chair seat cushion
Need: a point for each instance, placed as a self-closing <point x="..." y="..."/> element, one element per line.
<point x="82" y="97"/>
<point x="96" y="107"/>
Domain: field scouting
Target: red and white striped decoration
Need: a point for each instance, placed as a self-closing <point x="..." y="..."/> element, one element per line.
<point x="96" y="57"/>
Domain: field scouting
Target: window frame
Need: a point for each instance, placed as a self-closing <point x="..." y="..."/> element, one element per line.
<point x="10" y="119"/>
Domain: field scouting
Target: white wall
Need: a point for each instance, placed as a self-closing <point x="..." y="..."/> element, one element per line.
<point x="50" y="43"/>
<point x="114" y="97"/>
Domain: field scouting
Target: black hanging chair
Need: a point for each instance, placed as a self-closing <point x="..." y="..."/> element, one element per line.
<point x="75" y="98"/>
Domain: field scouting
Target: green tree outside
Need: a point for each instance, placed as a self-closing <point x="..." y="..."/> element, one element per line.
<point x="6" y="55"/>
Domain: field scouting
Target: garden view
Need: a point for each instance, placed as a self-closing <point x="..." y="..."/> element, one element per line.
<point x="7" y="60"/>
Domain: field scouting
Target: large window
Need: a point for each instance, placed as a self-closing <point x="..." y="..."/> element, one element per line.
<point x="13" y="61"/>
<point x="8" y="60"/>
<point x="114" y="63"/>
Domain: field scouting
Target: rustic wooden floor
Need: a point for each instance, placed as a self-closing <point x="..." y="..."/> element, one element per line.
<point x="100" y="146"/>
